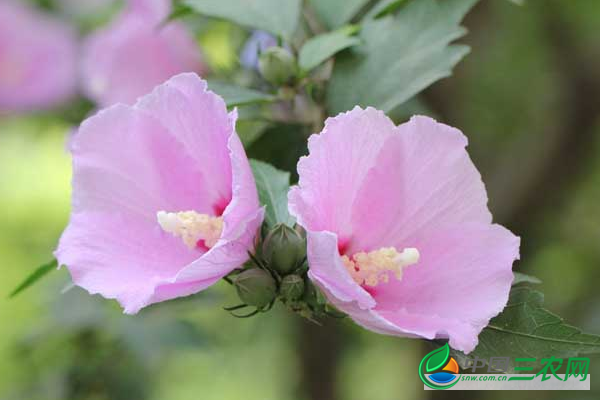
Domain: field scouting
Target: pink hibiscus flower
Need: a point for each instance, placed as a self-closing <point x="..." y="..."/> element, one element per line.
<point x="37" y="59"/>
<point x="134" y="54"/>
<point x="399" y="234"/>
<point x="164" y="201"/>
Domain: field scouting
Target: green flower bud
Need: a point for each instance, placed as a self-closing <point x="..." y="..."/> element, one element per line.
<point x="312" y="295"/>
<point x="255" y="287"/>
<point x="277" y="65"/>
<point x="292" y="287"/>
<point x="284" y="249"/>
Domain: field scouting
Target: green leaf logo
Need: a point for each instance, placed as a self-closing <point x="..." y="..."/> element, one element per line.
<point x="437" y="363"/>
<point x="437" y="358"/>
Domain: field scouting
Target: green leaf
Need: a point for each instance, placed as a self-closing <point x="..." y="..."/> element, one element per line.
<point x="279" y="17"/>
<point x="520" y="277"/>
<point x="239" y="96"/>
<point x="35" y="276"/>
<point x="526" y="329"/>
<point x="321" y="47"/>
<point x="401" y="54"/>
<point x="334" y="13"/>
<point x="273" y="186"/>
<point x="437" y="358"/>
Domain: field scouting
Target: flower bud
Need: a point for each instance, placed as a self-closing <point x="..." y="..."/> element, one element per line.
<point x="284" y="249"/>
<point x="292" y="287"/>
<point x="312" y="295"/>
<point x="255" y="287"/>
<point x="277" y="65"/>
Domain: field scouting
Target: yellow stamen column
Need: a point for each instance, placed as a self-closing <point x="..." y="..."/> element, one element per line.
<point x="374" y="267"/>
<point x="191" y="227"/>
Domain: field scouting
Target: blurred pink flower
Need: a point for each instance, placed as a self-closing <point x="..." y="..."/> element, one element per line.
<point x="134" y="53"/>
<point x="399" y="233"/>
<point x="37" y="59"/>
<point x="164" y="201"/>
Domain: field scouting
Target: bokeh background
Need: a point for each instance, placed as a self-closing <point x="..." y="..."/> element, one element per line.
<point x="528" y="98"/>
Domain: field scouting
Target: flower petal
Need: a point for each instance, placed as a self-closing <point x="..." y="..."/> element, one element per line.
<point x="461" y="281"/>
<point x="121" y="256"/>
<point x="423" y="180"/>
<point x="368" y="318"/>
<point x="331" y="175"/>
<point x="199" y="120"/>
<point x="125" y="161"/>
<point x="327" y="269"/>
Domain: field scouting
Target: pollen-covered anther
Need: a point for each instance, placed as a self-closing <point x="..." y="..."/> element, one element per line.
<point x="192" y="227"/>
<point x="375" y="266"/>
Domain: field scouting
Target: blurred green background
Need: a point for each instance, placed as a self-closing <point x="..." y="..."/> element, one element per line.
<point x="528" y="98"/>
